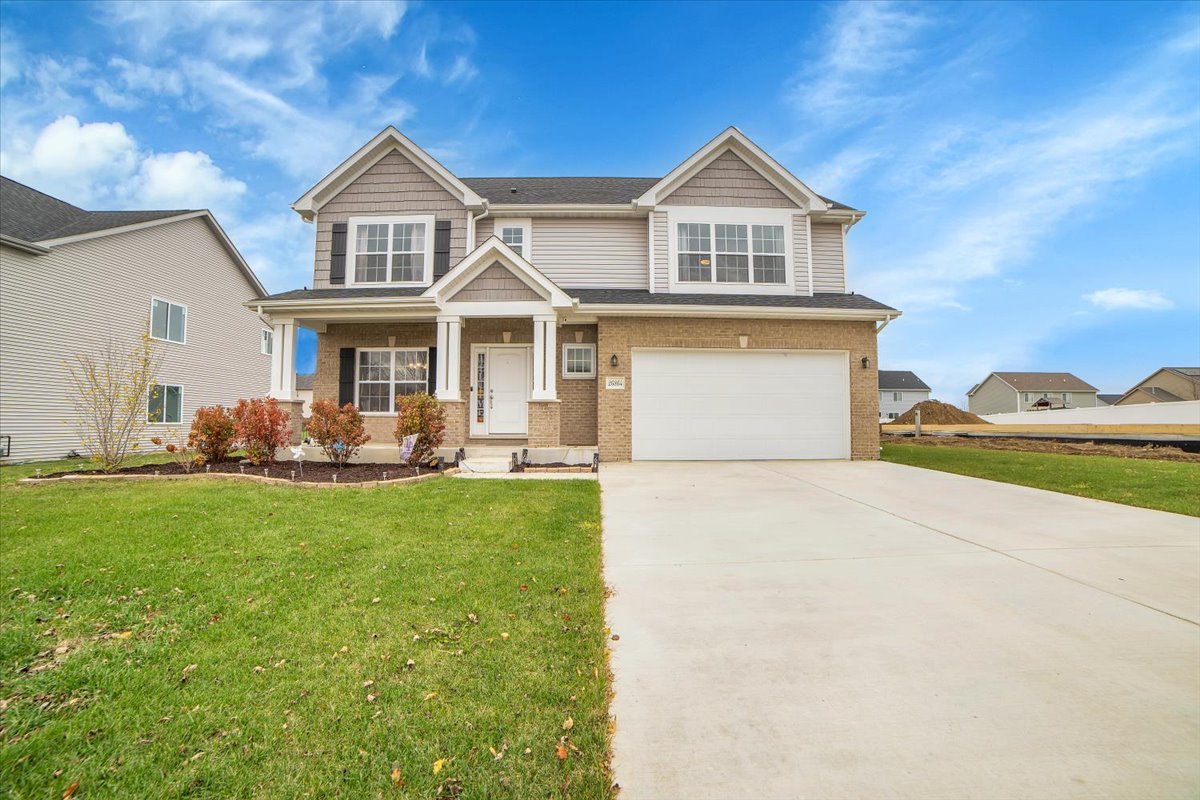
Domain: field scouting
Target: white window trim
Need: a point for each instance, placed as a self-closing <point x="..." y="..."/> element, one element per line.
<point x="713" y="216"/>
<point x="266" y="336"/>
<point x="392" y="396"/>
<point x="352" y="247"/>
<point x="526" y="226"/>
<point x="186" y="316"/>
<point x="897" y="397"/>
<point x="179" y="386"/>
<point x="576" y="376"/>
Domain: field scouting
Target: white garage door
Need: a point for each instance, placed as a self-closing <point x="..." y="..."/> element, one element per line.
<point x="698" y="405"/>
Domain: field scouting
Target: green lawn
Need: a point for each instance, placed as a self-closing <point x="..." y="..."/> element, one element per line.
<point x="228" y="639"/>
<point x="1163" y="485"/>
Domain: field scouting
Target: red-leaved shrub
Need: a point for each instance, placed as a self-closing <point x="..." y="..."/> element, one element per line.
<point x="262" y="427"/>
<point x="213" y="434"/>
<point x="423" y="415"/>
<point x="339" y="431"/>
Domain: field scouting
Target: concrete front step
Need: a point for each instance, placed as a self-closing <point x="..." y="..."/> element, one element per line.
<point x="485" y="465"/>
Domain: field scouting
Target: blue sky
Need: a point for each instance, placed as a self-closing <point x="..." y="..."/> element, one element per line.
<point x="1031" y="172"/>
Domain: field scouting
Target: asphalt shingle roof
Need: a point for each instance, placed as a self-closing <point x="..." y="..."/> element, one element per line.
<point x="898" y="380"/>
<point x="602" y="191"/>
<point x="1044" y="382"/>
<point x="33" y="216"/>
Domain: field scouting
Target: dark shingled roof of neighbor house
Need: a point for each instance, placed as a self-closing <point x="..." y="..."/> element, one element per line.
<point x="601" y="191"/>
<point x="1044" y="382"/>
<point x="897" y="379"/>
<point x="33" y="216"/>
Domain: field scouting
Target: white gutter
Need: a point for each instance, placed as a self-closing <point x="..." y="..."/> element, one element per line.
<point x="21" y="244"/>
<point x="471" y="220"/>
<point x="792" y="312"/>
<point x="884" y="324"/>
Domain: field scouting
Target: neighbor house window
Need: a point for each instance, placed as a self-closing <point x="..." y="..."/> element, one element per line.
<point x="392" y="250"/>
<point x="1066" y="396"/>
<point x="165" y="404"/>
<point x="579" y="361"/>
<point x="892" y="415"/>
<point x="168" y="321"/>
<point x="897" y="396"/>
<point x="730" y="253"/>
<point x="1027" y="397"/>
<point x="268" y="341"/>
<point x="383" y="374"/>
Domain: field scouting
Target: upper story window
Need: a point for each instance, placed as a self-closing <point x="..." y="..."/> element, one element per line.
<point x="517" y="233"/>
<point x="391" y="249"/>
<point x="897" y="396"/>
<point x="168" y="321"/>
<point x="731" y="253"/>
<point x="268" y="341"/>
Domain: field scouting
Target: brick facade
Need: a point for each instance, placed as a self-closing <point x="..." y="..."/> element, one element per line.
<point x="544" y="423"/>
<point x="577" y="418"/>
<point x="618" y="336"/>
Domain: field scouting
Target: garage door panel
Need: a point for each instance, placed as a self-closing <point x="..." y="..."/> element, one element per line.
<point x="716" y="404"/>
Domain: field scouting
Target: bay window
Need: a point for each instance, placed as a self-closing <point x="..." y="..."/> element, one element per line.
<point x="385" y="373"/>
<point x="730" y="253"/>
<point x="391" y="249"/>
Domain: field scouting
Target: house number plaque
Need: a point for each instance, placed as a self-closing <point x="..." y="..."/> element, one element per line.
<point x="615" y="383"/>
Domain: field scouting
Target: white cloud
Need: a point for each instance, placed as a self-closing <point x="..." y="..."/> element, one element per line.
<point x="185" y="180"/>
<point x="1140" y="299"/>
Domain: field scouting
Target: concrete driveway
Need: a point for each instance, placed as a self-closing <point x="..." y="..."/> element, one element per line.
<point x="869" y="630"/>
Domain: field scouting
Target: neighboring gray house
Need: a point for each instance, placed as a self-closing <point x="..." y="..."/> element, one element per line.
<point x="1166" y="385"/>
<point x="700" y="314"/>
<point x="1107" y="399"/>
<point x="899" y="390"/>
<point x="1008" y="392"/>
<point x="304" y="390"/>
<point x="71" y="279"/>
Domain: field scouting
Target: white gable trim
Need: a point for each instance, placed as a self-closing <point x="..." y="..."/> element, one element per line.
<point x="387" y="141"/>
<point x="731" y="139"/>
<point x="484" y="256"/>
<point x="207" y="216"/>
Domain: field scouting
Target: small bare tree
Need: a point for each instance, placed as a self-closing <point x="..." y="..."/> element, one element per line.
<point x="112" y="388"/>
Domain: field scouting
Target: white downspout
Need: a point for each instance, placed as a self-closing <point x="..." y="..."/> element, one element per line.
<point x="471" y="220"/>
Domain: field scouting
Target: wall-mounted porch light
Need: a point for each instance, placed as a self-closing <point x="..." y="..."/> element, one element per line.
<point x="613" y="361"/>
<point x="866" y="362"/>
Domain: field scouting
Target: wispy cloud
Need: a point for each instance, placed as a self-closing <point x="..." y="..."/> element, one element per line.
<point x="1138" y="299"/>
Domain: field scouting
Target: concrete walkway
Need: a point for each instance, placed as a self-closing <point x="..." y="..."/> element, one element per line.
<point x="869" y="630"/>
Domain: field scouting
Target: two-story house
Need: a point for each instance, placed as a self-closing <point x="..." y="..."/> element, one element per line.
<point x="72" y="280"/>
<point x="1005" y="392"/>
<point x="899" y="390"/>
<point x="700" y="315"/>
<point x="1166" y="385"/>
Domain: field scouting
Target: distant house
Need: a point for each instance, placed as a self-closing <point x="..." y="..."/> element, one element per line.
<point x="1107" y="399"/>
<point x="1007" y="392"/>
<point x="304" y="390"/>
<point x="74" y="279"/>
<point x="899" y="390"/>
<point x="1167" y="385"/>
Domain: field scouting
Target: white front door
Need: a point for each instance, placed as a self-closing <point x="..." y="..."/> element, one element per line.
<point x="508" y="391"/>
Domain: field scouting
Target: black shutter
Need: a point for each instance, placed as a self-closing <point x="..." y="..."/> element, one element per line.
<point x="337" y="254"/>
<point x="346" y="376"/>
<point x="441" y="248"/>
<point x="431" y="386"/>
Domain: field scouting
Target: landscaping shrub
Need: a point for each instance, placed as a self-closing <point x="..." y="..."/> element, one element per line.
<point x="423" y="415"/>
<point x="262" y="427"/>
<point x="182" y="454"/>
<point x="213" y="434"/>
<point x="339" y="431"/>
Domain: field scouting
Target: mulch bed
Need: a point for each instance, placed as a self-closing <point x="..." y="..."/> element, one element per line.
<point x="313" y="471"/>
<point x="1081" y="448"/>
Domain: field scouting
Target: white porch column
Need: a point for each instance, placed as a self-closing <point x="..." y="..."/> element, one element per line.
<point x="283" y="360"/>
<point x="449" y="352"/>
<point x="545" y="348"/>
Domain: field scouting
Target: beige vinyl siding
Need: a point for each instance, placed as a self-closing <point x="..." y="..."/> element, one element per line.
<point x="800" y="252"/>
<point x="484" y="229"/>
<point x="728" y="181"/>
<point x="393" y="185"/>
<point x="1172" y="382"/>
<point x="57" y="305"/>
<point x="829" y="260"/>
<point x="994" y="396"/>
<point x="493" y="284"/>
<point x="611" y="253"/>
<point x="662" y="252"/>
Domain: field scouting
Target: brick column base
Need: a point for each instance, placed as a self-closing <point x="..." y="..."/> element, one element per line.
<point x="295" y="409"/>
<point x="456" y="423"/>
<point x="543" y="423"/>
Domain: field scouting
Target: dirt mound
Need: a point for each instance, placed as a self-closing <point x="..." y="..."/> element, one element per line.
<point x="935" y="412"/>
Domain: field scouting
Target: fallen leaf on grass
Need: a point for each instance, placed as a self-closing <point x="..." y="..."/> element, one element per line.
<point x="198" y="755"/>
<point x="258" y="669"/>
<point x="70" y="790"/>
<point x="368" y="684"/>
<point x="568" y="724"/>
<point x="504" y="636"/>
<point x="524" y="587"/>
<point x="371" y="698"/>
<point x="374" y="600"/>
<point x="410" y="664"/>
<point x="397" y="777"/>
<point x="431" y="695"/>
<point x="560" y="751"/>
<point x="120" y="635"/>
<point x="188" y="670"/>
<point x="437" y="765"/>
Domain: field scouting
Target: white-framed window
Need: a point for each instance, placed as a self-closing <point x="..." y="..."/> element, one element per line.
<point x="892" y="415"/>
<point x="390" y="250"/>
<point x="517" y="234"/>
<point x="897" y="396"/>
<point x="384" y="373"/>
<point x="268" y="341"/>
<point x="1066" y="397"/>
<point x="731" y="250"/>
<point x="168" y="321"/>
<point x="164" y="406"/>
<point x="579" y="361"/>
<point x="1027" y="397"/>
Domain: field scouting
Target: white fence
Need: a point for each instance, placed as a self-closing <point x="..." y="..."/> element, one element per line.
<point x="1185" y="412"/>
